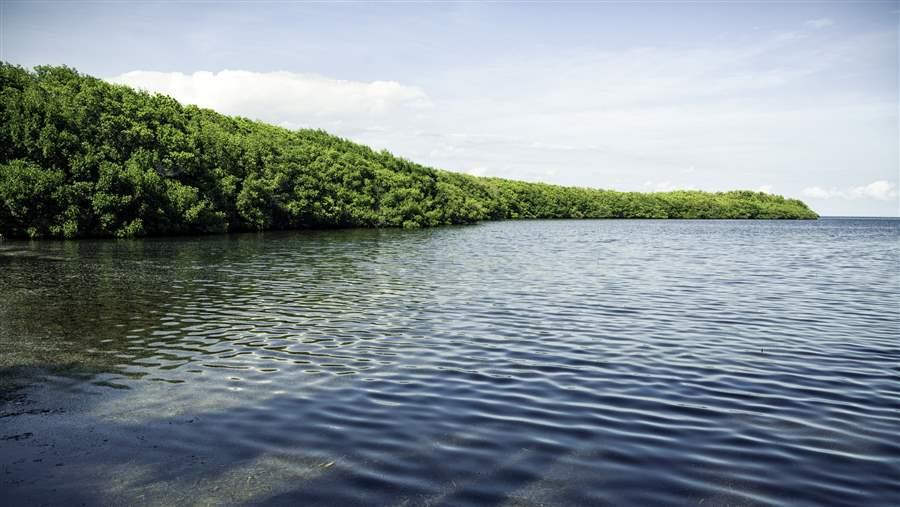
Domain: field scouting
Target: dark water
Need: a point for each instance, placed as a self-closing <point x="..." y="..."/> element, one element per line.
<point x="517" y="363"/>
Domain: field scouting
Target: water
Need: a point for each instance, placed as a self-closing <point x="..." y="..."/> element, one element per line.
<point x="513" y="363"/>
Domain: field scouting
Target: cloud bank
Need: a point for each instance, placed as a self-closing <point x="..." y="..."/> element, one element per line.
<point x="280" y="97"/>
<point x="881" y="190"/>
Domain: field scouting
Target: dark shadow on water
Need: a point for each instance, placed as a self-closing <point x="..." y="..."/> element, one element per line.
<point x="344" y="443"/>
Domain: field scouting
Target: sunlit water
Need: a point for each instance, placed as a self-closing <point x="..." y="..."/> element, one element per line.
<point x="513" y="363"/>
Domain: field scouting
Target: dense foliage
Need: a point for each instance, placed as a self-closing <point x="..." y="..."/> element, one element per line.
<point x="82" y="157"/>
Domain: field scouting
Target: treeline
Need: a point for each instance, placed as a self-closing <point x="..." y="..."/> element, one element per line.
<point x="81" y="157"/>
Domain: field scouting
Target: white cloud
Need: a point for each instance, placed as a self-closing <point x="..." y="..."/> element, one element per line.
<point x="549" y="146"/>
<point x="280" y="97"/>
<point x="818" y="23"/>
<point x="816" y="193"/>
<point x="881" y="190"/>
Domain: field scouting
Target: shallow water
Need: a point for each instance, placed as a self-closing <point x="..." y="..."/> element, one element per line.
<point x="509" y="363"/>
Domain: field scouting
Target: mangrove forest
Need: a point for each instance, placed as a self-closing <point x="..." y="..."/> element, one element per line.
<point x="80" y="157"/>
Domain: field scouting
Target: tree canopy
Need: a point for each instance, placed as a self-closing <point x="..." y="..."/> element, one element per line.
<point x="80" y="157"/>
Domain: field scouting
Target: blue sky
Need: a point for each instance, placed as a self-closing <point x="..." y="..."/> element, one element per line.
<point x="797" y="98"/>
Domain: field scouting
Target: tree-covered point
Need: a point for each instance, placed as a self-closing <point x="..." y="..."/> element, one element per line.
<point x="82" y="157"/>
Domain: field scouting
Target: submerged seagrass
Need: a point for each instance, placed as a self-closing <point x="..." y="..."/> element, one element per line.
<point x="81" y="157"/>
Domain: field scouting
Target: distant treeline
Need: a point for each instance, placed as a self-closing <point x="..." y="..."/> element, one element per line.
<point x="80" y="157"/>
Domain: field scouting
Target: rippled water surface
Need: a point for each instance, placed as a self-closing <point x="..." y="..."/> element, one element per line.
<point x="511" y="363"/>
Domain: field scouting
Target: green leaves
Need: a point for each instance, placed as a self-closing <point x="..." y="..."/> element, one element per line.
<point x="81" y="157"/>
<point x="28" y="206"/>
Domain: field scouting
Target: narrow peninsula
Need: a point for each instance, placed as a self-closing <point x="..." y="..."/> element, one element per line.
<point x="80" y="157"/>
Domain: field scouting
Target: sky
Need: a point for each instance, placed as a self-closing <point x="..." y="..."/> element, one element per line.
<point x="796" y="98"/>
